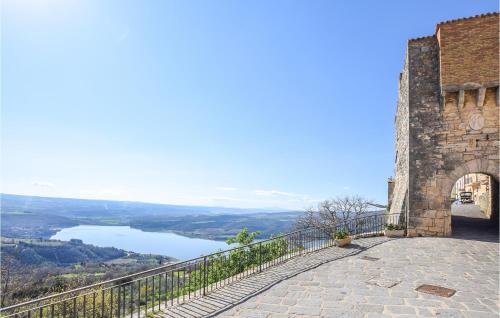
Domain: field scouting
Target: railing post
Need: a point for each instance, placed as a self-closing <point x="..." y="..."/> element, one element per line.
<point x="139" y="298"/>
<point x="301" y="244"/>
<point x="205" y="275"/>
<point x="119" y="302"/>
<point x="260" y="257"/>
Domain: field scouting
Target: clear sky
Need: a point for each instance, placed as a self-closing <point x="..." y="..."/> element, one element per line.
<point x="226" y="103"/>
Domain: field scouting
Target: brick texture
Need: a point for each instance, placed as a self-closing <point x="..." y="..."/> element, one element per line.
<point x="469" y="50"/>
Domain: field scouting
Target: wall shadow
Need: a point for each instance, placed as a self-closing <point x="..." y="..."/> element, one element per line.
<point x="478" y="229"/>
<point x="227" y="297"/>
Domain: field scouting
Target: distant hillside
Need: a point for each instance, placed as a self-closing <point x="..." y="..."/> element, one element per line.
<point x="41" y="217"/>
<point x="59" y="253"/>
<point x="105" y="208"/>
<point x="32" y="225"/>
<point x="34" y="268"/>
<point x="219" y="227"/>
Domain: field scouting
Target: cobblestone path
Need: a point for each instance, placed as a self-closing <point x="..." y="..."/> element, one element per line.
<point x="338" y="282"/>
<point x="231" y="295"/>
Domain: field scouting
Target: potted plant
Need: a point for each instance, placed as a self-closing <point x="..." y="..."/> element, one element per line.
<point x="394" y="230"/>
<point x="342" y="238"/>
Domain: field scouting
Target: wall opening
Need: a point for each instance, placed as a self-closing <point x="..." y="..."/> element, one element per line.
<point x="474" y="205"/>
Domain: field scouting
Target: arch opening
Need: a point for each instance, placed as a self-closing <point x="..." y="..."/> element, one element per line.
<point x="474" y="205"/>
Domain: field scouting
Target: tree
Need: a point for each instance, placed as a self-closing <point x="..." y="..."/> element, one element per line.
<point x="243" y="237"/>
<point x="330" y="214"/>
<point x="5" y="278"/>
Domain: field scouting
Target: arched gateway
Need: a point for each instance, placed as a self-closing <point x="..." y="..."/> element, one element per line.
<point x="447" y="121"/>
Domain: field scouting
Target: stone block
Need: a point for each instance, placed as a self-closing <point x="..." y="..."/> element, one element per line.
<point x="310" y="311"/>
<point x="490" y="130"/>
<point x="438" y="222"/>
<point x="473" y="165"/>
<point x="423" y="222"/>
<point x="484" y="165"/>
<point x="441" y="214"/>
<point x="468" y="157"/>
<point x="429" y="214"/>
<point x="411" y="232"/>
<point x="493" y="168"/>
<point x="273" y="308"/>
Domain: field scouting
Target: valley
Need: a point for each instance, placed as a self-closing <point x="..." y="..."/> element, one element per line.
<point x="39" y="217"/>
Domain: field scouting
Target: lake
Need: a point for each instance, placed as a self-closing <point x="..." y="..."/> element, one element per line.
<point x="129" y="239"/>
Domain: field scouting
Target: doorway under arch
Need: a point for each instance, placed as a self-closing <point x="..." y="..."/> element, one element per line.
<point x="475" y="205"/>
<point x="442" y="186"/>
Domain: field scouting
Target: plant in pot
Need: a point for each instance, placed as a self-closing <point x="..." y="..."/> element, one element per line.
<point x="394" y="230"/>
<point x="342" y="238"/>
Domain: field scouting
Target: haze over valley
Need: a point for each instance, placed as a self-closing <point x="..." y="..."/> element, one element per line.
<point x="42" y="217"/>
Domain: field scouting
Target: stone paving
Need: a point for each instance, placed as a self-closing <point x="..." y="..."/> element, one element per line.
<point x="356" y="287"/>
<point x="340" y="282"/>
<point x="230" y="295"/>
<point x="467" y="210"/>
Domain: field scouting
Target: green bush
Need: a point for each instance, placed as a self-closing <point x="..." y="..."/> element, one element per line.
<point x="341" y="234"/>
<point x="393" y="227"/>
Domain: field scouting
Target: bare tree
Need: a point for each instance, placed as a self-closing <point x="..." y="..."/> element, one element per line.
<point x="333" y="213"/>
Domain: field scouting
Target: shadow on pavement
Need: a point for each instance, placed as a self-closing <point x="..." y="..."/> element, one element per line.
<point x="238" y="292"/>
<point x="477" y="229"/>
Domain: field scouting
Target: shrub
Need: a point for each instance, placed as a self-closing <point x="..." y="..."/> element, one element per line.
<point x="393" y="227"/>
<point x="341" y="234"/>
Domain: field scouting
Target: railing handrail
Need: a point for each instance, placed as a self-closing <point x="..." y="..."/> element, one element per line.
<point x="75" y="291"/>
<point x="173" y="265"/>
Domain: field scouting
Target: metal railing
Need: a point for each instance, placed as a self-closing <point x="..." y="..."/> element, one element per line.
<point x="157" y="289"/>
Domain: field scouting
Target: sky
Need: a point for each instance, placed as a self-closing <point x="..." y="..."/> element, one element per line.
<point x="265" y="104"/>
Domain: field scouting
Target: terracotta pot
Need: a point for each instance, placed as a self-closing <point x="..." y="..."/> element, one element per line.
<point x="343" y="242"/>
<point x="394" y="233"/>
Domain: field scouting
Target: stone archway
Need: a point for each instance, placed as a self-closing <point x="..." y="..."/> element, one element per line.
<point x="489" y="167"/>
<point x="483" y="166"/>
<point x="431" y="210"/>
<point x="447" y="120"/>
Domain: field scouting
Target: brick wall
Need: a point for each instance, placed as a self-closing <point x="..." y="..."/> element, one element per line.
<point x="469" y="50"/>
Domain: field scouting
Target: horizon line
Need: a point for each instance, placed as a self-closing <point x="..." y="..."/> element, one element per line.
<point x="276" y="209"/>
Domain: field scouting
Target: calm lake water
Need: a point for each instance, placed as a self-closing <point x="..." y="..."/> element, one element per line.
<point x="129" y="239"/>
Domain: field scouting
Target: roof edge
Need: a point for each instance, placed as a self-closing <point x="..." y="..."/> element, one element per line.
<point x="422" y="38"/>
<point x="483" y="15"/>
<point x="478" y="16"/>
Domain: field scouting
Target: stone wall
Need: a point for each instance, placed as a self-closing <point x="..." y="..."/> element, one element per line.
<point x="390" y="191"/>
<point x="400" y="187"/>
<point x="484" y="200"/>
<point x="425" y="124"/>
<point x="444" y="131"/>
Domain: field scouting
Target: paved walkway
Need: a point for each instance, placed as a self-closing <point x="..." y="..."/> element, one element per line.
<point x="469" y="222"/>
<point x="229" y="296"/>
<point x="356" y="287"/>
<point x="337" y="282"/>
<point x="467" y="210"/>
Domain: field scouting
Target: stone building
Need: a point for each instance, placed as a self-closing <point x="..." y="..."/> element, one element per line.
<point x="478" y="185"/>
<point x="475" y="183"/>
<point x="447" y="121"/>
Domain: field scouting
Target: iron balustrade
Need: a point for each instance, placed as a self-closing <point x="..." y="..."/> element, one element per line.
<point x="157" y="289"/>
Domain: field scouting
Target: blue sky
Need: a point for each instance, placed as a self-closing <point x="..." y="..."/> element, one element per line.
<point x="227" y="103"/>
